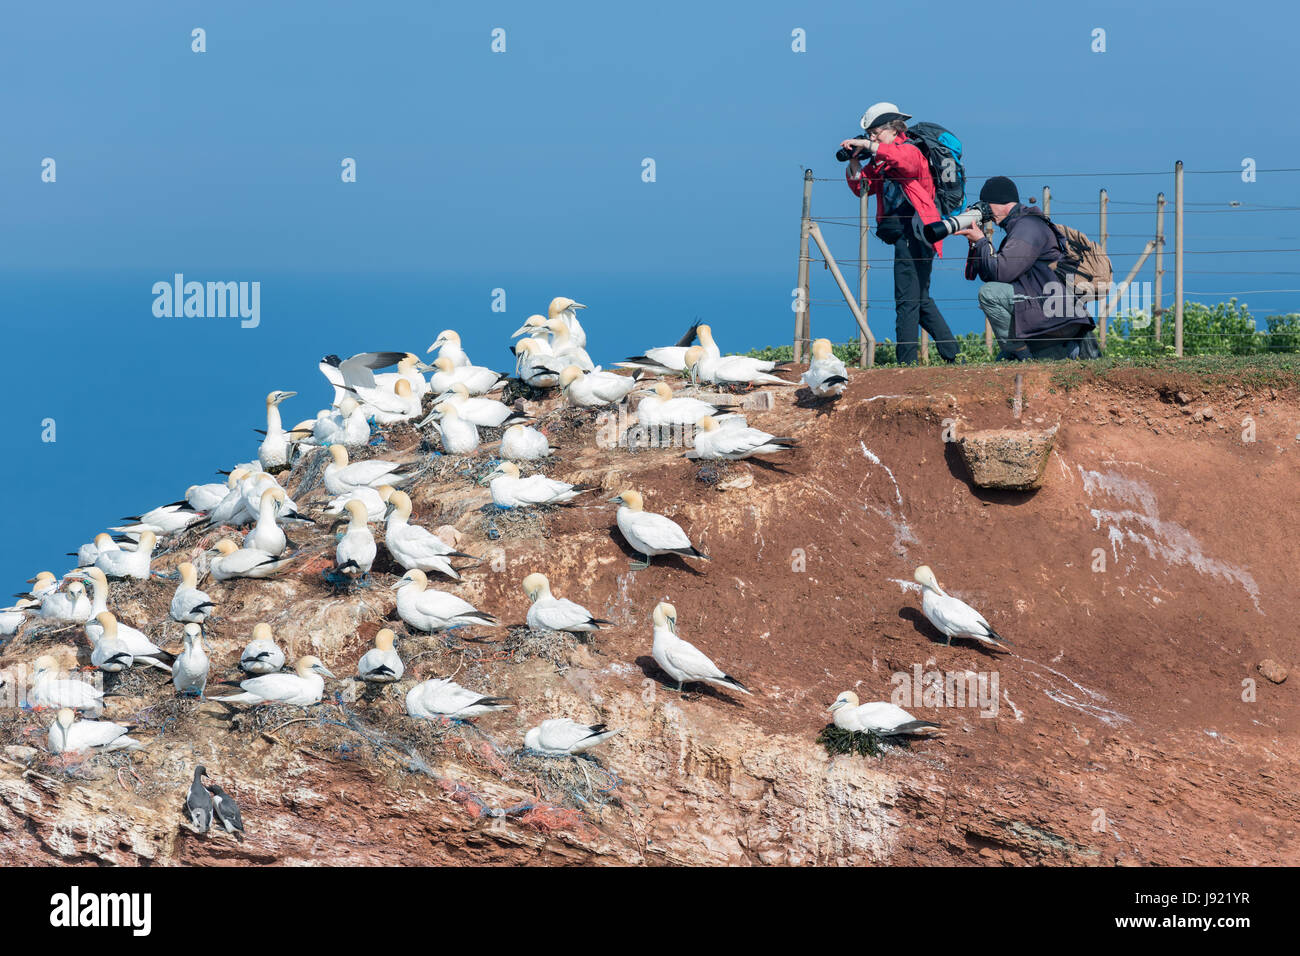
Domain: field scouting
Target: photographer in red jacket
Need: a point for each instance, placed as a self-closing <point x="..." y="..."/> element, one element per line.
<point x="897" y="174"/>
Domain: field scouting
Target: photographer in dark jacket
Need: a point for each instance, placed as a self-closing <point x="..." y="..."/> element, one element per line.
<point x="1023" y="298"/>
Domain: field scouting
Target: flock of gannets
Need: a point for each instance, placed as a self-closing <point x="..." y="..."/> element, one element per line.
<point x="551" y="353"/>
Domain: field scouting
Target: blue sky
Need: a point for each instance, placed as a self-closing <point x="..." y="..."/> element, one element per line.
<point x="522" y="170"/>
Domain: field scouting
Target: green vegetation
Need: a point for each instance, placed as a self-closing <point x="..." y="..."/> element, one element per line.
<point x="1225" y="329"/>
<point x="837" y="741"/>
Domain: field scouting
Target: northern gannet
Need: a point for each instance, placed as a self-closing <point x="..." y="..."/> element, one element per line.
<point x="448" y="345"/>
<point x="11" y="618"/>
<point x="276" y="446"/>
<point x="129" y="564"/>
<point x="535" y="325"/>
<point x="109" y="653"/>
<point x="190" y="670"/>
<point x="251" y="489"/>
<point x="346" y="425"/>
<point x="733" y="440"/>
<point x="458" y="436"/>
<point x="564" y="350"/>
<point x="511" y="491"/>
<point x="478" y="379"/>
<point x="355" y="372"/>
<point x="483" y="412"/>
<point x="232" y="561"/>
<point x="49" y="690"/>
<point x="658" y="408"/>
<point x="826" y="375"/>
<point x="226" y="812"/>
<point x="107" y="632"/>
<point x="87" y="554"/>
<point x="387" y="406"/>
<point x="428" y="610"/>
<point x="375" y="500"/>
<point x="165" y="519"/>
<point x="884" y="719"/>
<point x="535" y="367"/>
<point x="70" y="606"/>
<point x="267" y="535"/>
<point x="663" y="360"/>
<point x="594" y="389"/>
<point x="198" y="804"/>
<point x="408" y="369"/>
<point x="302" y="688"/>
<point x="560" y="735"/>
<point x="565" y="310"/>
<point x="547" y="612"/>
<point x="355" y="553"/>
<point x="69" y="735"/>
<point x="952" y="617"/>
<point x="650" y="533"/>
<point x="380" y="664"/>
<point x="523" y="443"/>
<point x="730" y="369"/>
<point x="443" y="697"/>
<point x="261" y="655"/>
<point x="681" y="660"/>
<point x="44" y="583"/>
<point x="189" y="604"/>
<point x="231" y="509"/>
<point x="200" y="498"/>
<point x="414" y="547"/>
<point x="342" y="477"/>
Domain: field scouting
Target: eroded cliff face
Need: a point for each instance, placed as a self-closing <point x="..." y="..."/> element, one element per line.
<point x="1143" y="585"/>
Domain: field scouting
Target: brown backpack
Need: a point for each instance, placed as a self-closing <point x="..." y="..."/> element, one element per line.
<point x="1082" y="262"/>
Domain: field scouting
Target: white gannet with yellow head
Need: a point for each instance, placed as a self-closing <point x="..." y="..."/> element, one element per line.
<point x="129" y="564"/>
<point x="267" y="535"/>
<point x="111" y="639"/>
<point x="414" y="547"/>
<point x="478" y="379"/>
<point x="482" y="412"/>
<point x="680" y="659"/>
<point x="189" y="604"/>
<point x="448" y="345"/>
<point x="458" y="436"/>
<point x="953" y="617"/>
<point x="261" y="655"/>
<point x="650" y="533"/>
<point x="730" y="369"/>
<point x="232" y="561"/>
<point x="524" y="443"/>
<point x="375" y="500"/>
<point x="48" y="689"/>
<point x="69" y="735"/>
<point x="560" y="735"/>
<point x="879" y="717"/>
<point x="546" y="612"/>
<point x="594" y="389"/>
<point x="509" y="490"/>
<point x="69" y="606"/>
<point x="564" y="351"/>
<point x="277" y="446"/>
<point x="826" y="376"/>
<point x="408" y="369"/>
<point x="190" y="671"/>
<point x="355" y="553"/>
<point x="302" y="688"/>
<point x="443" y="697"/>
<point x="566" y="310"/>
<point x="535" y="326"/>
<point x="342" y="477"/>
<point x="381" y="664"/>
<point x="732" y="440"/>
<point x="428" y="610"/>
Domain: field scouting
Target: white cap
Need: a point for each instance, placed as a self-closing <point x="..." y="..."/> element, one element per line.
<point x="880" y="114"/>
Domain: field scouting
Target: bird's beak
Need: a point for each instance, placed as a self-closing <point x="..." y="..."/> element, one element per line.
<point x="394" y="587"/>
<point x="615" y="498"/>
<point x="522" y="330"/>
<point x="577" y="305"/>
<point x="284" y="396"/>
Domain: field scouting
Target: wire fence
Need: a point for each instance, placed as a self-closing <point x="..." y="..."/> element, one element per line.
<point x="1199" y="328"/>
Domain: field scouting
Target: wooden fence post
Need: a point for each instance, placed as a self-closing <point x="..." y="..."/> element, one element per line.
<point x="864" y="231"/>
<point x="865" y="329"/>
<point x="1158" y="310"/>
<point x="1178" y="258"/>
<point x="803" y="318"/>
<point x="1047" y="201"/>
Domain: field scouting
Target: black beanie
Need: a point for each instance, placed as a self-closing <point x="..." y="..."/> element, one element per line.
<point x="999" y="189"/>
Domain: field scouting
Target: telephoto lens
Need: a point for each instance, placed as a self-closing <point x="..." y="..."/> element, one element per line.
<point x="941" y="229"/>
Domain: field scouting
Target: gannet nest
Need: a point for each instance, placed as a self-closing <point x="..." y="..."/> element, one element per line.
<point x="25" y="728"/>
<point x="524" y="642"/>
<point x="516" y="389"/>
<point x="577" y="781"/>
<point x="138" y="680"/>
<point x="168" y="715"/>
<point x="713" y="472"/>
<point x="500" y="523"/>
<point x="569" y="424"/>
<point x="837" y="741"/>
